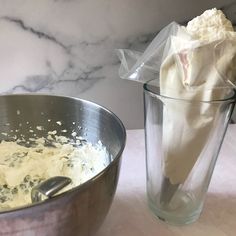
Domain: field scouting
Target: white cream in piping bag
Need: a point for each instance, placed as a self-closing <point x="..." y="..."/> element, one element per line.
<point x="198" y="67"/>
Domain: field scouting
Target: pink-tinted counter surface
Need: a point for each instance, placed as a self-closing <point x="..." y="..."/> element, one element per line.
<point x="130" y="216"/>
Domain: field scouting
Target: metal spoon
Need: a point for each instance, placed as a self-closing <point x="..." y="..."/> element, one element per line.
<point x="48" y="188"/>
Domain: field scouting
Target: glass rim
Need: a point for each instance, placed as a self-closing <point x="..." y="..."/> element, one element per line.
<point x="230" y="98"/>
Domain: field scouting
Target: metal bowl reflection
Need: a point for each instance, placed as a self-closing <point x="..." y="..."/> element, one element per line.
<point x="81" y="210"/>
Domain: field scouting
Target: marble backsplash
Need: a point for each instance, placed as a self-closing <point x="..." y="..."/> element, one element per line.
<point x="67" y="47"/>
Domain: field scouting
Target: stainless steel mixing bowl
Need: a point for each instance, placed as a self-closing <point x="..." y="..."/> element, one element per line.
<point x="81" y="210"/>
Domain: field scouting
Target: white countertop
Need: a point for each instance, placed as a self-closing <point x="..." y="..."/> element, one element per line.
<point x="130" y="216"/>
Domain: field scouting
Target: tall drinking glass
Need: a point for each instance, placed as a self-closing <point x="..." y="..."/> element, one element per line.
<point x="183" y="138"/>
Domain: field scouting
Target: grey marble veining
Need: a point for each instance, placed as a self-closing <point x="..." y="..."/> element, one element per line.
<point x="68" y="47"/>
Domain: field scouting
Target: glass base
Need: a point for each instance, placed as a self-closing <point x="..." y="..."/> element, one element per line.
<point x="182" y="210"/>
